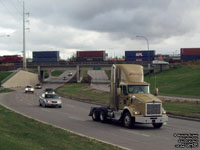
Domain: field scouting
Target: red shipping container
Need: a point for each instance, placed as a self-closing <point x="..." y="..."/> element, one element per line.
<point x="190" y="51"/>
<point x="90" y="54"/>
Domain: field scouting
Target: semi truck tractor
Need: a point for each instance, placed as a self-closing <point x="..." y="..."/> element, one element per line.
<point x="130" y="100"/>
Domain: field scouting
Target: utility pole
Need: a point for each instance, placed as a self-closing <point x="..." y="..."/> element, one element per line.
<point x="24" y="45"/>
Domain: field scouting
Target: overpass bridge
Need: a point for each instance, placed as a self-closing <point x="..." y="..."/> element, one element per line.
<point x="79" y="67"/>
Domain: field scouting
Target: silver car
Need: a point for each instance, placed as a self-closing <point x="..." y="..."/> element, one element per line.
<point x="50" y="100"/>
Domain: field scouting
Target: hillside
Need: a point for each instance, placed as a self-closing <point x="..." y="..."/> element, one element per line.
<point x="183" y="81"/>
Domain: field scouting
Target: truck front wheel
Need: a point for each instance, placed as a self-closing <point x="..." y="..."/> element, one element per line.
<point x="157" y="125"/>
<point x="127" y="120"/>
<point x="95" y="115"/>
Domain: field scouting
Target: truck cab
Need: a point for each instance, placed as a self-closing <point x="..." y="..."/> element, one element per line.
<point x="130" y="100"/>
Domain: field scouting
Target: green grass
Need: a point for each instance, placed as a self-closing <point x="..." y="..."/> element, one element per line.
<point x="182" y="81"/>
<point x="4" y="74"/>
<point x="5" y="90"/>
<point x="83" y="91"/>
<point x="183" y="108"/>
<point x="56" y="73"/>
<point x="20" y="133"/>
<point x="108" y="73"/>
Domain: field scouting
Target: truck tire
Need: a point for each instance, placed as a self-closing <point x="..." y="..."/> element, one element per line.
<point x="103" y="117"/>
<point x="95" y="115"/>
<point x="127" y="120"/>
<point x="157" y="125"/>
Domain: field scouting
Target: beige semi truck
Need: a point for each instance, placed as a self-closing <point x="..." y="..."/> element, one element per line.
<point x="130" y="101"/>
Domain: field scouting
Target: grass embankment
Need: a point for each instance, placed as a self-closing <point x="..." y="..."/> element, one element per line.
<point x="19" y="132"/>
<point x="182" y="81"/>
<point x="3" y="75"/>
<point x="56" y="73"/>
<point x="83" y="91"/>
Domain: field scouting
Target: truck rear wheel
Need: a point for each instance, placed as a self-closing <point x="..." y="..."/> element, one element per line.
<point x="127" y="120"/>
<point x="103" y="116"/>
<point x="95" y="115"/>
<point x="157" y="125"/>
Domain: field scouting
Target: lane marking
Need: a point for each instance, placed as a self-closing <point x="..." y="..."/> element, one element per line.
<point x="70" y="131"/>
<point x="43" y="109"/>
<point x="75" y="118"/>
<point x="134" y="132"/>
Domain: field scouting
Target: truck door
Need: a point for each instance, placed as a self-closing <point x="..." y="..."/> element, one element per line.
<point x="123" y="98"/>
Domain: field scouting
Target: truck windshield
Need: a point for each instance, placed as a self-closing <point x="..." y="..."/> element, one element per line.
<point x="133" y="89"/>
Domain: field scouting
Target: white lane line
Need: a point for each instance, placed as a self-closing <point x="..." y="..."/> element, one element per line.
<point x="134" y="132"/>
<point x="76" y="118"/>
<point x="45" y="110"/>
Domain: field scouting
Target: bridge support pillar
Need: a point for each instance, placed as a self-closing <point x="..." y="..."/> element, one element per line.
<point x="77" y="73"/>
<point x="40" y="74"/>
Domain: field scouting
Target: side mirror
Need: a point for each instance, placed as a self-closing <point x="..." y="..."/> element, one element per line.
<point x="118" y="91"/>
<point x="156" y="92"/>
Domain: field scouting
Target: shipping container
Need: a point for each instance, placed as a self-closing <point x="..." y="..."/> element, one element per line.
<point x="90" y="56"/>
<point x="188" y="58"/>
<point x="190" y="52"/>
<point x="11" y="59"/>
<point x="139" y="58"/>
<point x="149" y="53"/>
<point x="46" y="56"/>
<point x="83" y="54"/>
<point x="96" y="59"/>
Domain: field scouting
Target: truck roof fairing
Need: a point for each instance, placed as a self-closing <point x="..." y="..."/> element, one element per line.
<point x="131" y="73"/>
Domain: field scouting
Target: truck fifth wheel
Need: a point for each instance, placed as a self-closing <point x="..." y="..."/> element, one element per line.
<point x="130" y="100"/>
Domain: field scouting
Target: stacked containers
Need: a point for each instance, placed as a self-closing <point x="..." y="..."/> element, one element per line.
<point x="188" y="54"/>
<point x="140" y="55"/>
<point x="45" y="56"/>
<point x="82" y="56"/>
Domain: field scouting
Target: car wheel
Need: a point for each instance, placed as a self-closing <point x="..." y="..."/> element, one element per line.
<point x="95" y="115"/>
<point x="103" y="117"/>
<point x="127" y="120"/>
<point x="60" y="106"/>
<point x="157" y="125"/>
<point x="43" y="105"/>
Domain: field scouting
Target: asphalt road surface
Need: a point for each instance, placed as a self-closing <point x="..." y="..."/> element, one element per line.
<point x="74" y="116"/>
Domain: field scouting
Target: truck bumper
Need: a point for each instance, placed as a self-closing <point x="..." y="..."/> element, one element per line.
<point x="162" y="119"/>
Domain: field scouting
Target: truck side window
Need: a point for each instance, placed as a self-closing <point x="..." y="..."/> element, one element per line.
<point x="123" y="90"/>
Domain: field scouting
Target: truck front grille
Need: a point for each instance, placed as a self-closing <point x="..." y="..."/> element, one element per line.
<point x="153" y="109"/>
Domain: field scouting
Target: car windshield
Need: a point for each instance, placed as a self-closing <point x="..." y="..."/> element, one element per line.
<point x="38" y="84"/>
<point x="51" y="96"/>
<point x="29" y="86"/>
<point x="49" y="90"/>
<point x="133" y="89"/>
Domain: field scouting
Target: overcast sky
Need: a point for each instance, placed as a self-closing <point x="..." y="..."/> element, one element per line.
<point x="111" y="25"/>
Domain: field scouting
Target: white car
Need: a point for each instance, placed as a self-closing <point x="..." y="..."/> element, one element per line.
<point x="50" y="100"/>
<point x="29" y="88"/>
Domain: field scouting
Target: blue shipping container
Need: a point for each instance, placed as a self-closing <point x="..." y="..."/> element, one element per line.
<point x="188" y="58"/>
<point x="139" y="58"/>
<point x="45" y="56"/>
<point x="149" y="53"/>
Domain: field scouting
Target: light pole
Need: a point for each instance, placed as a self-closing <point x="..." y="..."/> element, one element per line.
<point x="145" y="39"/>
<point x="141" y="36"/>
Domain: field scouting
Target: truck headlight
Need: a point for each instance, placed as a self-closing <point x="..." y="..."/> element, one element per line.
<point x="137" y="113"/>
<point x="164" y="112"/>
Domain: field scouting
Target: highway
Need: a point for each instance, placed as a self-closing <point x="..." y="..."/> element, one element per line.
<point x="74" y="116"/>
